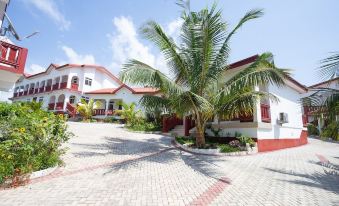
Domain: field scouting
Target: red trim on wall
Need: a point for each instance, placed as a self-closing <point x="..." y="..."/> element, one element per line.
<point x="265" y="145"/>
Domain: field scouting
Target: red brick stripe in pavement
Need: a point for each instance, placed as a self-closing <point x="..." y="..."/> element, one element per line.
<point x="211" y="193"/>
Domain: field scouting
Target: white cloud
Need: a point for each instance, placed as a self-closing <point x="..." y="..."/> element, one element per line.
<point x="74" y="58"/>
<point x="173" y="28"/>
<point x="50" y="8"/>
<point x="126" y="45"/>
<point x="35" y="68"/>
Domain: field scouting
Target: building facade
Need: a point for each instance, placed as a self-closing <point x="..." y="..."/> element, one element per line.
<point x="60" y="88"/>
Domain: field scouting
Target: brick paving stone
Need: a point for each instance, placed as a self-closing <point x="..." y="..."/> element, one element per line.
<point x="107" y="165"/>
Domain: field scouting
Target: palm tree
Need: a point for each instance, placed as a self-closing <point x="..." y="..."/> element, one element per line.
<point x="198" y="67"/>
<point x="326" y="99"/>
<point x="129" y="113"/>
<point x="86" y="109"/>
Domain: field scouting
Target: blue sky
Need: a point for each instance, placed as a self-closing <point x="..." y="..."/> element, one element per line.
<point x="298" y="33"/>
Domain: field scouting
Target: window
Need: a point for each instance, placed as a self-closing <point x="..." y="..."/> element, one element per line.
<point x="41" y="99"/>
<point x="74" y="80"/>
<point x="88" y="81"/>
<point x="72" y="99"/>
<point x="85" y="98"/>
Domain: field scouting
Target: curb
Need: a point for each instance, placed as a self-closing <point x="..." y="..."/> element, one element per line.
<point x="26" y="178"/>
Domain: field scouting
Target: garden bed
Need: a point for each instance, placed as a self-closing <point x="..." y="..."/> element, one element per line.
<point x="215" y="148"/>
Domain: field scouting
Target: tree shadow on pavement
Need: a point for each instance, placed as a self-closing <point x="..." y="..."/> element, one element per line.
<point x="327" y="180"/>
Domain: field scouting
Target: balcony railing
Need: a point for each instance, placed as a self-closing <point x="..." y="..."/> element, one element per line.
<point x="59" y="106"/>
<point x="63" y="85"/>
<point x="99" y="112"/>
<point x="31" y="91"/>
<point x="48" y="88"/>
<point x="55" y="86"/>
<point x="51" y="106"/>
<point x="36" y="90"/>
<point x="74" y="87"/>
<point x="16" y="94"/>
<point x="26" y="92"/>
<point x="12" y="58"/>
<point x="42" y="89"/>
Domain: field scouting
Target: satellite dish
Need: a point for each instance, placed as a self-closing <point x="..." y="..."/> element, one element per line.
<point x="11" y="29"/>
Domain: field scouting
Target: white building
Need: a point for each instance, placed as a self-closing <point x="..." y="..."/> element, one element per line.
<point x="12" y="59"/>
<point x="315" y="114"/>
<point x="274" y="125"/>
<point x="59" y="88"/>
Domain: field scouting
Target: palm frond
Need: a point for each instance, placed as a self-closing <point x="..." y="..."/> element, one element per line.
<point x="329" y="67"/>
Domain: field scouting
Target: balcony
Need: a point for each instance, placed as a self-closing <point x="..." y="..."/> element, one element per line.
<point x="63" y="85"/>
<point x="36" y="90"/>
<point x="74" y="87"/>
<point x="48" y="88"/>
<point x="59" y="106"/>
<point x="26" y="92"/>
<point x="31" y="91"/>
<point x="16" y="94"/>
<point x="55" y="87"/>
<point x="12" y="63"/>
<point x="42" y="89"/>
<point x="51" y="106"/>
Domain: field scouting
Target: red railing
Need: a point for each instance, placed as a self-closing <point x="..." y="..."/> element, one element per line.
<point x="16" y="94"/>
<point x="51" y="106"/>
<point x="308" y="110"/>
<point x="109" y="112"/>
<point x="36" y="90"/>
<point x="48" y="88"/>
<point x="59" y="106"/>
<point x="55" y="86"/>
<point x="21" y="93"/>
<point x="42" y="89"/>
<point x="169" y="122"/>
<point x="305" y="120"/>
<point x="74" y="87"/>
<point x="71" y="109"/>
<point x="265" y="113"/>
<point x="99" y="112"/>
<point x="12" y="58"/>
<point x="31" y="91"/>
<point x="189" y="124"/>
<point x="63" y="85"/>
<point x="25" y="92"/>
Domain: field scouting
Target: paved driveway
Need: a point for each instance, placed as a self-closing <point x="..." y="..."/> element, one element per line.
<point x="106" y="165"/>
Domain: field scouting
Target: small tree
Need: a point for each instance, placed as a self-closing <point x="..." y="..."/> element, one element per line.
<point x="86" y="109"/>
<point x="129" y="113"/>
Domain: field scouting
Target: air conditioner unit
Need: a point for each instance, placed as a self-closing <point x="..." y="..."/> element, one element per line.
<point x="283" y="118"/>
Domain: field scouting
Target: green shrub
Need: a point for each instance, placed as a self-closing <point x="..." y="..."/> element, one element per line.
<point x="142" y="125"/>
<point x="243" y="140"/>
<point x="225" y="148"/>
<point x="30" y="139"/>
<point x="312" y="130"/>
<point x="185" y="140"/>
<point x="331" y="131"/>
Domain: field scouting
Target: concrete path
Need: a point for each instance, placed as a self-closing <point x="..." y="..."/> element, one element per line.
<point x="106" y="165"/>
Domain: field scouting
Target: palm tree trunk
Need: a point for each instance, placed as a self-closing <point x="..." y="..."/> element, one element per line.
<point x="200" y="138"/>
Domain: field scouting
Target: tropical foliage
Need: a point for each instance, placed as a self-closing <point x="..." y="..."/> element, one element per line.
<point x="30" y="139"/>
<point x="198" y="86"/>
<point x="326" y="99"/>
<point x="86" y="109"/>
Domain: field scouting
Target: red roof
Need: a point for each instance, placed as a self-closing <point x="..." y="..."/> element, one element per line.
<point x="252" y="59"/>
<point x="325" y="82"/>
<point x="143" y="90"/>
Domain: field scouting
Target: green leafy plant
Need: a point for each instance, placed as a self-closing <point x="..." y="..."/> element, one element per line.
<point x="198" y="65"/>
<point x="312" y="130"/>
<point x="86" y="109"/>
<point x="130" y="114"/>
<point x="331" y="131"/>
<point x="225" y="148"/>
<point x="30" y="139"/>
<point x="244" y="139"/>
<point x="185" y="140"/>
<point x="216" y="131"/>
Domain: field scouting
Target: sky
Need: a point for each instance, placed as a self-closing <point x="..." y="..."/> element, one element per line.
<point x="298" y="33"/>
